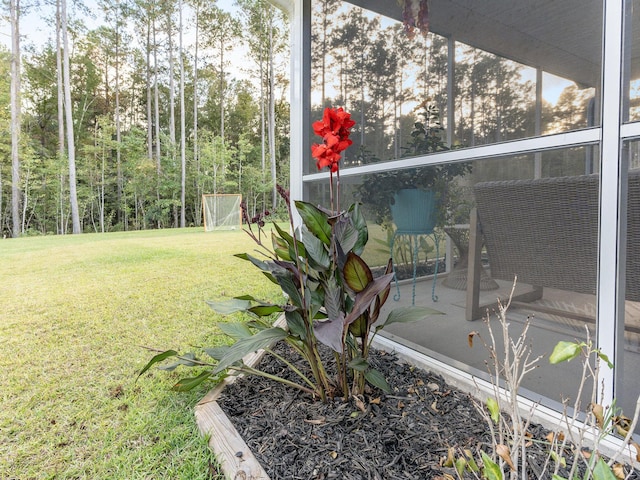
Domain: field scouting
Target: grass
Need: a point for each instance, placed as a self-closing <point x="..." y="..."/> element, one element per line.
<point x="75" y="311"/>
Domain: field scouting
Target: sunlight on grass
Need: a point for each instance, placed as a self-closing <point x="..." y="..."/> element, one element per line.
<point x="75" y="312"/>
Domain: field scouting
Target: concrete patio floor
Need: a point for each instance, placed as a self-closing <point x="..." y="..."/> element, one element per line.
<point x="445" y="338"/>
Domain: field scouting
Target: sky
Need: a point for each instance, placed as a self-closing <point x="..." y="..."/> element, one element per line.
<point x="34" y="28"/>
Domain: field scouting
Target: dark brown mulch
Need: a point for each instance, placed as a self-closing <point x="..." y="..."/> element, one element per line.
<point x="401" y="435"/>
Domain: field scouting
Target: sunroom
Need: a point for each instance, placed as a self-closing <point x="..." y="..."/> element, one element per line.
<point x="521" y="120"/>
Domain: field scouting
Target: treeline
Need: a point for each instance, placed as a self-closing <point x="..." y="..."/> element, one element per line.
<point x="151" y="115"/>
<point x="126" y="125"/>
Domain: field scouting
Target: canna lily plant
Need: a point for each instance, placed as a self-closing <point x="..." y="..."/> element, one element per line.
<point x="332" y="297"/>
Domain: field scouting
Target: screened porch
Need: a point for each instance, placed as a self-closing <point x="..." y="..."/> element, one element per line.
<point x="519" y="118"/>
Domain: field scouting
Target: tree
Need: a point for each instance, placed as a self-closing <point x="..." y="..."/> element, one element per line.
<point x="221" y="29"/>
<point x="60" y="97"/>
<point x="114" y="42"/>
<point x="113" y="84"/>
<point x="266" y="43"/>
<point x="5" y="130"/>
<point x="16" y="125"/>
<point x="198" y="194"/>
<point x="320" y="41"/>
<point x="183" y="152"/>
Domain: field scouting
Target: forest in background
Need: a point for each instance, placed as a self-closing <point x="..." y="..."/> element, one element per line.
<point x="126" y="125"/>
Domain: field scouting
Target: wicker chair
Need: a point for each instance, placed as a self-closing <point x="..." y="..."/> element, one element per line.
<point x="545" y="231"/>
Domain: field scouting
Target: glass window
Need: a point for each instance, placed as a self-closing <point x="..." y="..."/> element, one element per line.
<point x="629" y="389"/>
<point x="633" y="57"/>
<point x="520" y="68"/>
<point x="544" y="230"/>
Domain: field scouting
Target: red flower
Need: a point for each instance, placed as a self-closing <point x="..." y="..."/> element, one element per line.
<point x="325" y="156"/>
<point x="334" y="128"/>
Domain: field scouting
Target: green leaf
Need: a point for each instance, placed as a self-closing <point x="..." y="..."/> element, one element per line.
<point x="359" y="364"/>
<point x="375" y="378"/>
<point x="605" y="359"/>
<point x="346" y="234"/>
<point x="315" y="220"/>
<point x="603" y="471"/>
<point x="491" y="469"/>
<point x="461" y="464"/>
<point x="557" y="477"/>
<point x="265" y="310"/>
<point x="385" y="293"/>
<point x="158" y="358"/>
<point x="295" y="323"/>
<point x="258" y="324"/>
<point x="290" y="240"/>
<point x="280" y="247"/>
<point x="408" y="314"/>
<point x="494" y="409"/>
<point x="169" y="368"/>
<point x="217" y="352"/>
<point x="250" y="298"/>
<point x="365" y="297"/>
<point x="360" y="224"/>
<point x="285" y="280"/>
<point x="332" y="298"/>
<point x="186" y="359"/>
<point x="243" y="347"/>
<point x="187" y="384"/>
<point x="564" y="351"/>
<point x="235" y="330"/>
<point x="357" y="274"/>
<point x="229" y="306"/>
<point x="558" y="459"/>
<point x="473" y="466"/>
<point x="258" y="263"/>
<point x="316" y="250"/>
<point x="359" y="327"/>
<point x="286" y="236"/>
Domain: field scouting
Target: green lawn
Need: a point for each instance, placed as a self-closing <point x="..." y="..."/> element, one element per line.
<point x="75" y="312"/>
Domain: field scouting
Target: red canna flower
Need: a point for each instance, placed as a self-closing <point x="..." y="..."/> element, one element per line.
<point x="325" y="156"/>
<point x="334" y="128"/>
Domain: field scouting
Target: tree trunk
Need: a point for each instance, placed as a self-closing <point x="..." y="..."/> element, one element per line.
<point x="263" y="121"/>
<point x="272" y="119"/>
<point x="60" y="113"/>
<point x="183" y="152"/>
<point x="172" y="88"/>
<point x="149" y="115"/>
<point x="196" y="157"/>
<point x="73" y="196"/>
<point x="15" y="117"/>
<point x="156" y="97"/>
<point x="119" y="180"/>
<point x="222" y="89"/>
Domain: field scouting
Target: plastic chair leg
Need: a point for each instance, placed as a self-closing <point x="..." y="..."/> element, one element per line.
<point x="415" y="266"/>
<point x="434" y="297"/>
<point x="396" y="297"/>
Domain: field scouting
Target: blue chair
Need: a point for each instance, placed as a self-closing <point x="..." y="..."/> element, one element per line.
<point x="414" y="214"/>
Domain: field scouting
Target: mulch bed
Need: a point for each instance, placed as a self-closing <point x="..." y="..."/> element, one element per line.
<point x="401" y="435"/>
